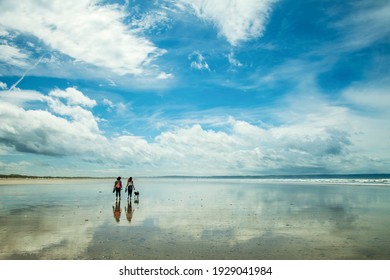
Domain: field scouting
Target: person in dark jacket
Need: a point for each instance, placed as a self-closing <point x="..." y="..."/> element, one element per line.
<point x="130" y="187"/>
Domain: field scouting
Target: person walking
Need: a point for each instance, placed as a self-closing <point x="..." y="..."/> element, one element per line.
<point x="117" y="188"/>
<point x="129" y="188"/>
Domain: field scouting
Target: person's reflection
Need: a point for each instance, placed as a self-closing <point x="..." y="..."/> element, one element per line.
<point x="129" y="211"/>
<point x="117" y="210"/>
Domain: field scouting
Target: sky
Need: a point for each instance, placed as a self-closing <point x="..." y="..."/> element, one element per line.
<point x="194" y="87"/>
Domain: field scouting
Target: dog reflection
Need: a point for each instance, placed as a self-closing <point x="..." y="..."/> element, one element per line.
<point x="129" y="211"/>
<point x="117" y="210"/>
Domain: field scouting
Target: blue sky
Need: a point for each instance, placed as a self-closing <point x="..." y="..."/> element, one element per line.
<point x="194" y="87"/>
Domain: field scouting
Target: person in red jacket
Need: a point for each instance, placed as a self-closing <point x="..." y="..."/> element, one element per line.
<point x="117" y="188"/>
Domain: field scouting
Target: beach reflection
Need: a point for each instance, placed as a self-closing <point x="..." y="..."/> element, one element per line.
<point x="117" y="211"/>
<point x="128" y="208"/>
<point x="195" y="219"/>
<point x="51" y="219"/>
<point x="274" y="221"/>
<point x="129" y="211"/>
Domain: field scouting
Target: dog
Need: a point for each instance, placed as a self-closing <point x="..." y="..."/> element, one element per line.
<point x="136" y="197"/>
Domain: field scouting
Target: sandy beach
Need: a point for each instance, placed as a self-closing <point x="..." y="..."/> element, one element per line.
<point x="202" y="219"/>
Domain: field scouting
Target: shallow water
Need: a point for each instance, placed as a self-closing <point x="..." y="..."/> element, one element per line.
<point x="194" y="219"/>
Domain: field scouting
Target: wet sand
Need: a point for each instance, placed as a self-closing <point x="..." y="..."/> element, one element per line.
<point x="193" y="219"/>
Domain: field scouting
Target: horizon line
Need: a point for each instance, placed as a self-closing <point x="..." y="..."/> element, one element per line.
<point x="275" y="176"/>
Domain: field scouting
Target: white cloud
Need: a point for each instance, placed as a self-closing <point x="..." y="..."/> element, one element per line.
<point x="369" y="117"/>
<point x="368" y="23"/>
<point x="119" y="107"/>
<point x="237" y="20"/>
<point x="12" y="55"/>
<point x="73" y="97"/>
<point x="373" y="97"/>
<point x="107" y="102"/>
<point x="21" y="98"/>
<point x="3" y="32"/>
<point x="111" y="83"/>
<point x="249" y="149"/>
<point x="14" y="167"/>
<point x="233" y="61"/>
<point x="154" y="20"/>
<point x="84" y="30"/>
<point x="123" y="109"/>
<point x="164" y="76"/>
<point x="310" y="138"/>
<point x="198" y="61"/>
<point x="3" y="86"/>
<point x="46" y="132"/>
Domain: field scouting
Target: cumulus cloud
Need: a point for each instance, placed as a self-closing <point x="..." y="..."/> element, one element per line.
<point x="238" y="21"/>
<point x="73" y="97"/>
<point x="250" y="149"/>
<point x="64" y="129"/>
<point x="85" y="30"/>
<point x="66" y="126"/>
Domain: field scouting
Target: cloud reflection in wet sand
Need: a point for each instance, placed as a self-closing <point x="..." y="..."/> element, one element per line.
<point x="240" y="220"/>
<point x="47" y="221"/>
<point x="197" y="219"/>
